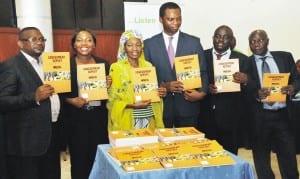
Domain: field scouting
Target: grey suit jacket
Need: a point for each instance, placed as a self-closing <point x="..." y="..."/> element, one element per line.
<point x="27" y="125"/>
<point x="155" y="52"/>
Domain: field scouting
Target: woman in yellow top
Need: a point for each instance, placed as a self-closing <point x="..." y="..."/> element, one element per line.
<point x="123" y="111"/>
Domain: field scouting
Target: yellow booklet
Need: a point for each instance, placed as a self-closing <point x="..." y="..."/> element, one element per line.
<point x="92" y="81"/>
<point x="56" y="67"/>
<point x="181" y="133"/>
<point x="188" y="71"/>
<point x="145" y="84"/>
<point x="131" y="137"/>
<point x="275" y="81"/>
<point x="223" y="75"/>
<point x="135" y="158"/>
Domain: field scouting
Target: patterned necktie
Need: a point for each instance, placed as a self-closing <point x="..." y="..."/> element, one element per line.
<point x="219" y="56"/>
<point x="171" y="52"/>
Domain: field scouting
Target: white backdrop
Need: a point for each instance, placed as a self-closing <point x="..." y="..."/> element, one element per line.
<point x="280" y="18"/>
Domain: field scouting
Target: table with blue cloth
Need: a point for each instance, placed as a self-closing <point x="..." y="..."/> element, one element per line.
<point x="105" y="168"/>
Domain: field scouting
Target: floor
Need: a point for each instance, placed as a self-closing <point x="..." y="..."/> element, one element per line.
<point x="243" y="153"/>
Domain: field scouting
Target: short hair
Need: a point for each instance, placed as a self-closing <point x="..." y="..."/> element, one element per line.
<point x="22" y="31"/>
<point x="167" y="5"/>
<point x="73" y="39"/>
<point x="298" y="61"/>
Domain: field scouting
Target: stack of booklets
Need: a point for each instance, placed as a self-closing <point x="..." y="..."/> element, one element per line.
<point x="173" y="134"/>
<point x="131" y="137"/>
<point x="168" y="155"/>
<point x="135" y="158"/>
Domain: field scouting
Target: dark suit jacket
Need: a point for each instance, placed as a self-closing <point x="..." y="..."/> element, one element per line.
<point x="27" y="125"/>
<point x="227" y="106"/>
<point x="155" y="52"/>
<point x="285" y="64"/>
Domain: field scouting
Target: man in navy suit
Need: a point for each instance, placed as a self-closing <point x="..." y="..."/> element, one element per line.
<point x="30" y="110"/>
<point x="181" y="107"/>
<point x="272" y="123"/>
<point x="223" y="110"/>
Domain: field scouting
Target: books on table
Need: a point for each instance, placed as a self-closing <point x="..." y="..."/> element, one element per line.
<point x="223" y="75"/>
<point x="56" y="68"/>
<point x="188" y="71"/>
<point x="172" y="134"/>
<point x="145" y="84"/>
<point x="168" y="155"/>
<point x="275" y="81"/>
<point x="192" y="153"/>
<point x="135" y="158"/>
<point x="92" y="81"/>
<point x="132" y="137"/>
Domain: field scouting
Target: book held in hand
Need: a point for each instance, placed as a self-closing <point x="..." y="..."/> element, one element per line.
<point x="188" y="71"/>
<point x="223" y="75"/>
<point x="274" y="82"/>
<point x="145" y="84"/>
<point x="56" y="68"/>
<point x="92" y="81"/>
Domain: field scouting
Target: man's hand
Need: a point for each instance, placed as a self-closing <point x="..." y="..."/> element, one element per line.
<point x="173" y="86"/>
<point x="43" y="92"/>
<point x="193" y="95"/>
<point x="239" y="77"/>
<point x="212" y="89"/>
<point x="289" y="90"/>
<point x="263" y="93"/>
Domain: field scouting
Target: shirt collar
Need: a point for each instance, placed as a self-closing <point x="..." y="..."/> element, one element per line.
<point x="31" y="59"/>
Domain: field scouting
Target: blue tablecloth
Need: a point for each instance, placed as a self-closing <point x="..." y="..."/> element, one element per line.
<point x="105" y="168"/>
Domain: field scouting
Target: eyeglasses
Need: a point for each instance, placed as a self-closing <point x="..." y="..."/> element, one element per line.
<point x="34" y="40"/>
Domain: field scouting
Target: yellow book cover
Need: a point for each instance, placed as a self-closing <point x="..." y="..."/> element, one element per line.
<point x="223" y="75"/>
<point x="188" y="71"/>
<point x="92" y="81"/>
<point x="131" y="137"/>
<point x="171" y="134"/>
<point x="275" y="81"/>
<point x="145" y="84"/>
<point x="176" y="155"/>
<point x="56" y="67"/>
<point x="136" y="158"/>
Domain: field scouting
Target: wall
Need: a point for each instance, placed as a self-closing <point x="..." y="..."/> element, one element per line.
<point x="280" y="18"/>
<point x="107" y="42"/>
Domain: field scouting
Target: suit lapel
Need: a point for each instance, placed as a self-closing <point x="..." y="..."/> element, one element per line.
<point x="29" y="69"/>
<point x="279" y="63"/>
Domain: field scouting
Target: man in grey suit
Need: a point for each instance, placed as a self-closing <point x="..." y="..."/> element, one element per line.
<point x="272" y="124"/>
<point x="181" y="107"/>
<point x="30" y="110"/>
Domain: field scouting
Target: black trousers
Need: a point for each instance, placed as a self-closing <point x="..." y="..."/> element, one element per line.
<point x="273" y="133"/>
<point x="88" y="128"/>
<point x="46" y="166"/>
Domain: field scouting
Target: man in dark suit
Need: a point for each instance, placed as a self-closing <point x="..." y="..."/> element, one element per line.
<point x="223" y="110"/>
<point x="2" y="151"/>
<point x="181" y="107"/>
<point x="272" y="130"/>
<point x="30" y="110"/>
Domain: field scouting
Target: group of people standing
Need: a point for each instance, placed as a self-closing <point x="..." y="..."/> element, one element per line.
<point x="33" y="114"/>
